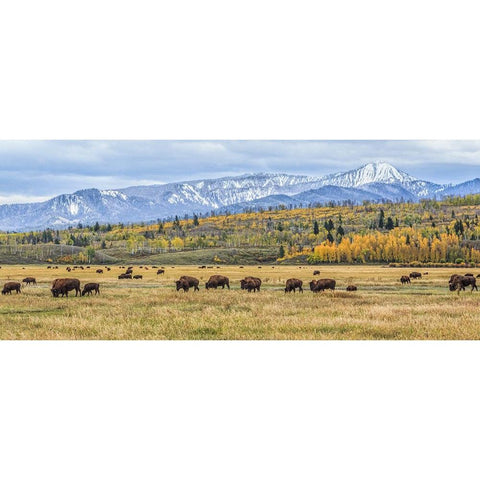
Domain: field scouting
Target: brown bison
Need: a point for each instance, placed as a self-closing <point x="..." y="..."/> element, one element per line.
<point x="10" y="286"/>
<point x="137" y="277"/>
<point x="61" y="286"/>
<point x="99" y="270"/>
<point x="316" y="272"/>
<point x="322" y="284"/>
<point x="352" y="288"/>
<point x="252" y="284"/>
<point x="89" y="288"/>
<point x="404" y="279"/>
<point x="160" y="271"/>
<point x="29" y="280"/>
<point x="216" y="281"/>
<point x="415" y="275"/>
<point x="292" y="284"/>
<point x="69" y="269"/>
<point x="459" y="282"/>
<point x="125" y="276"/>
<point x="186" y="283"/>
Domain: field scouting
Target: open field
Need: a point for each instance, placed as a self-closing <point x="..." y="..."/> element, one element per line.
<point x="152" y="309"/>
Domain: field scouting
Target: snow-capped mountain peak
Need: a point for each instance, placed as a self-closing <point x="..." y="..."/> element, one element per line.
<point x="379" y="172"/>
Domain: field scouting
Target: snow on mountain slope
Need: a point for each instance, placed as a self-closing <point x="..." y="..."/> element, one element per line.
<point x="380" y="173"/>
<point x="374" y="182"/>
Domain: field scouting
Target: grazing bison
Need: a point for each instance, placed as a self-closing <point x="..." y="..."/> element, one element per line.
<point x="322" y="284"/>
<point x="404" y="279"/>
<point x="61" y="286"/>
<point x="160" y="271"/>
<point x="352" y="288"/>
<point x="10" y="286"/>
<point x="251" y="284"/>
<point x="99" y="270"/>
<point x="415" y="275"/>
<point x="125" y="276"/>
<point x="186" y="283"/>
<point x="29" y="280"/>
<point x="89" y="288"/>
<point x="68" y="269"/>
<point x="216" y="281"/>
<point x="138" y="277"/>
<point x="459" y="282"/>
<point x="316" y="272"/>
<point x="292" y="284"/>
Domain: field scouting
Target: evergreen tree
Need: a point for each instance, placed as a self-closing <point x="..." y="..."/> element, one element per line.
<point x="281" y="252"/>
<point x="316" y="228"/>
<point x="381" y="219"/>
<point x="389" y="225"/>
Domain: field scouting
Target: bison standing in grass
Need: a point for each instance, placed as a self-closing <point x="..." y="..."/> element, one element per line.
<point x="316" y="272"/>
<point x="250" y="284"/>
<point x="404" y="279"/>
<point x="160" y="271"/>
<point x="10" y="286"/>
<point x="216" y="281"/>
<point x="61" y="286"/>
<point x="352" y="288"/>
<point x="29" y="280"/>
<point x="459" y="282"/>
<point x="89" y="288"/>
<point x="322" y="284"/>
<point x="292" y="284"/>
<point x="186" y="283"/>
<point x="125" y="276"/>
<point x="415" y="275"/>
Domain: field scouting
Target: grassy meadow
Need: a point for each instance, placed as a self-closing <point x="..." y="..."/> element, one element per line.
<point x="151" y="308"/>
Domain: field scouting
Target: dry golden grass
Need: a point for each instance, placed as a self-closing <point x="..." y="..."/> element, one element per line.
<point x="152" y="309"/>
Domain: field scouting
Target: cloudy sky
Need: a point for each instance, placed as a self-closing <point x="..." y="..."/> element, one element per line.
<point x="37" y="170"/>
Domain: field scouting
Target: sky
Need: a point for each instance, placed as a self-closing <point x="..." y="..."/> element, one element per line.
<point x="37" y="170"/>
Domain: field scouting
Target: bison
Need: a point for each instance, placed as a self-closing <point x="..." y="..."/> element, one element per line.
<point x="352" y="288"/>
<point x="186" y="283"/>
<point x="322" y="284"/>
<point x="459" y="282"/>
<point x="99" y="271"/>
<point x="404" y="279"/>
<point x="216" y="281"/>
<point x="316" y="272"/>
<point x="10" y="286"/>
<point x="292" y="284"/>
<point x="125" y="276"/>
<point x="138" y="277"/>
<point x="160" y="271"/>
<point x="251" y="284"/>
<point x="89" y="288"/>
<point x="61" y="286"/>
<point x="29" y="280"/>
<point x="415" y="275"/>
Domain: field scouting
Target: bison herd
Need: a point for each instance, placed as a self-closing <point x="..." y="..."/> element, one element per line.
<point x="62" y="286"/>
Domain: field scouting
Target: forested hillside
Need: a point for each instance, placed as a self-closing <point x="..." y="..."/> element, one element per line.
<point x="428" y="231"/>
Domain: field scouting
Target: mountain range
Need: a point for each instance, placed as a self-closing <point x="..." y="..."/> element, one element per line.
<point x="376" y="182"/>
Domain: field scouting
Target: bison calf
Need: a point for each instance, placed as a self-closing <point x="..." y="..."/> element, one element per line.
<point x="89" y="288"/>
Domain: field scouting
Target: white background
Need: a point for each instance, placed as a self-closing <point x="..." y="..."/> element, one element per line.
<point x="239" y="70"/>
